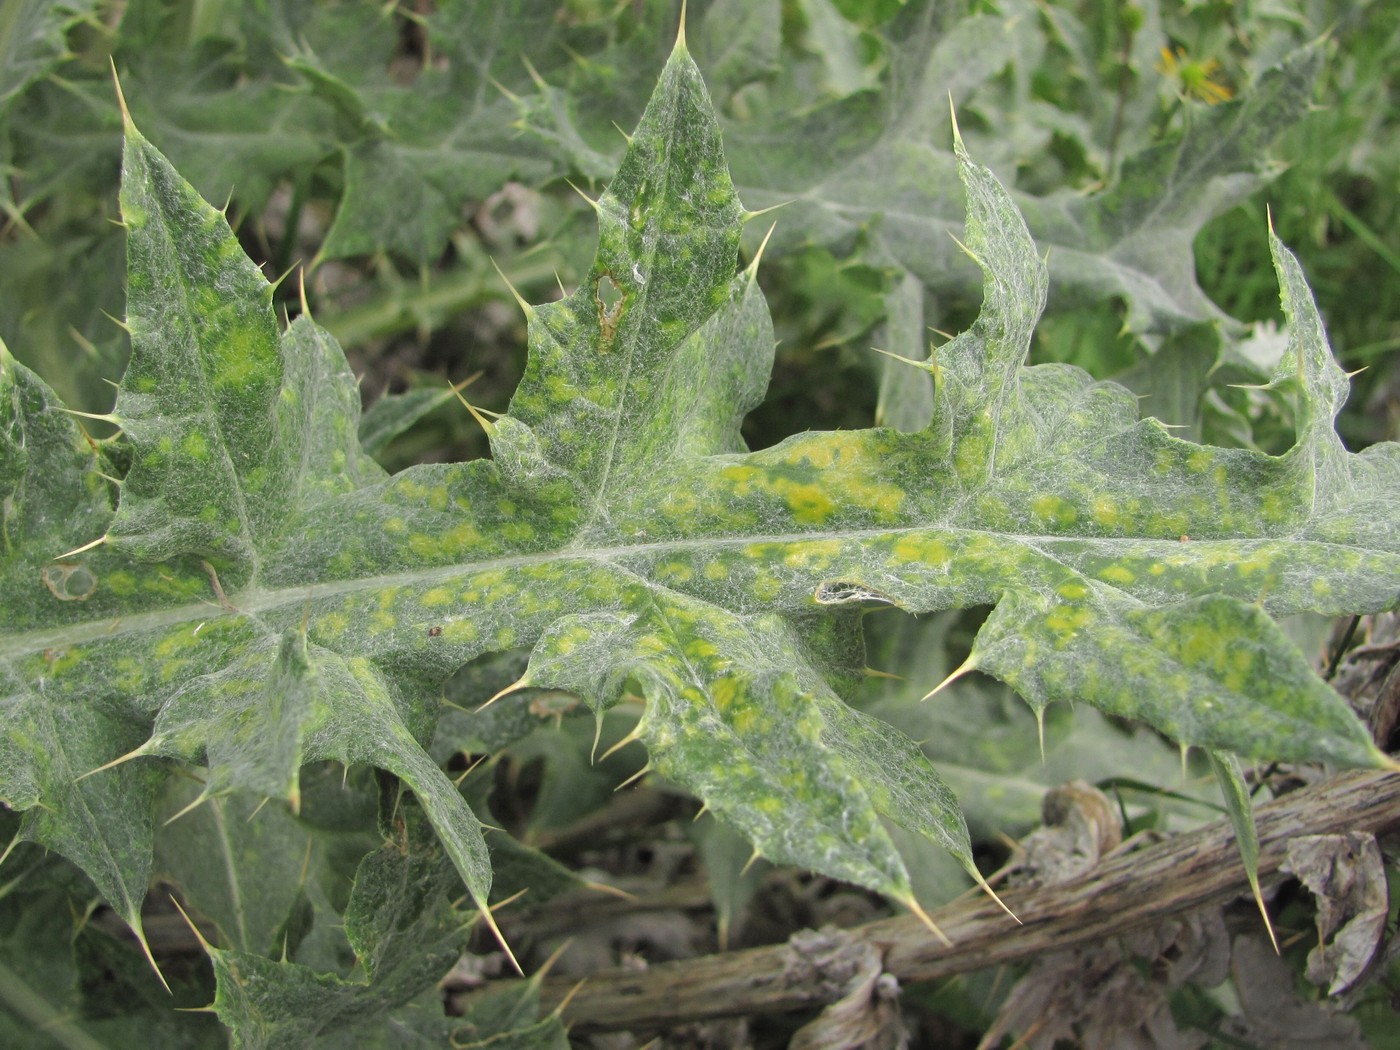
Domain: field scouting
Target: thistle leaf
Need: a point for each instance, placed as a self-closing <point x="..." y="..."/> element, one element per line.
<point x="267" y="597"/>
<point x="1230" y="777"/>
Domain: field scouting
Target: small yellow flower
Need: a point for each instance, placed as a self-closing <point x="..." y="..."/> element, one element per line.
<point x="1194" y="77"/>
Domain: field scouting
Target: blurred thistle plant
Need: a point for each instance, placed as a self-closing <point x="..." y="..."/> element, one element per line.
<point x="1194" y="77"/>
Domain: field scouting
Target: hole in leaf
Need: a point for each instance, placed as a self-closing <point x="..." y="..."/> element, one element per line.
<point x="844" y="592"/>
<point x="610" y="299"/>
<point x="69" y="583"/>
<point x="609" y="295"/>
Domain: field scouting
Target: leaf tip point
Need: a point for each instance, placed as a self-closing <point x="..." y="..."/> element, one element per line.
<point x="752" y="268"/>
<point x="558" y="1011"/>
<point x="633" y="778"/>
<point x="871" y="672"/>
<point x="490" y="921"/>
<point x="490" y="429"/>
<point x="301" y="293"/>
<point x="930" y="366"/>
<point x="472" y="767"/>
<point x="957" y="132"/>
<point x="106" y="417"/>
<point x="968" y="251"/>
<point x="507" y="92"/>
<point x="276" y="282"/>
<point x="127" y="122"/>
<point x="208" y="948"/>
<point x="680" y="31"/>
<point x="754" y="858"/>
<point x="519" y="683"/>
<point x="924" y="918"/>
<point x="1263" y="911"/>
<point x="611" y="891"/>
<point x="548" y="964"/>
<point x="631" y="737"/>
<point x="535" y="76"/>
<point x="84" y="548"/>
<point x="119" y="760"/>
<point x="746" y="216"/>
<point x="139" y="932"/>
<point x="967" y="665"/>
<point x="1386" y="763"/>
<point x="591" y="202"/>
<point x="528" y="310"/>
<point x="202" y="798"/>
<point x="117" y="320"/>
<point x="506" y="902"/>
<point x="986" y="888"/>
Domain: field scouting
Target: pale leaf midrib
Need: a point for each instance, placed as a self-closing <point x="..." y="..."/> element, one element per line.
<point x="229" y="867"/>
<point x="643" y="293"/>
<point x="208" y="415"/>
<point x="255" y="600"/>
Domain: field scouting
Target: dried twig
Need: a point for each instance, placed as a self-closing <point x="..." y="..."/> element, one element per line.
<point x="1126" y="892"/>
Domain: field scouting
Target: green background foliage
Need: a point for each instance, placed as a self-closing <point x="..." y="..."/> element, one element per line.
<point x="275" y="610"/>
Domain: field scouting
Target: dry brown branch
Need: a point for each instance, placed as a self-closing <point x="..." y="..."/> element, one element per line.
<point x="1126" y="892"/>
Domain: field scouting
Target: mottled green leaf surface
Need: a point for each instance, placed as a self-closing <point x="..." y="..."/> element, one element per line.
<point x="404" y="935"/>
<point x="866" y="160"/>
<point x="65" y="981"/>
<point x="264" y="596"/>
<point x="506" y="1020"/>
<point x="416" y="153"/>
<point x="1230" y="776"/>
<point x="31" y="39"/>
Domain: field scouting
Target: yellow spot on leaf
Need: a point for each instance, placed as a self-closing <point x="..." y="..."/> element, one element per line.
<point x="809" y="504"/>
<point x="912" y="549"/>
<point x="1105" y="512"/>
<point x="676" y="571"/>
<point x="460" y="631"/>
<point x="1072" y="591"/>
<point x="700" y="649"/>
<point x="724" y="691"/>
<point x="1054" y="511"/>
<point x="766" y="587"/>
<point x="1117" y="574"/>
<point x="746" y="721"/>
<point x="1068" y="619"/>
<point x="438" y="596"/>
<point x="332" y="624"/>
<point x="195" y="446"/>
